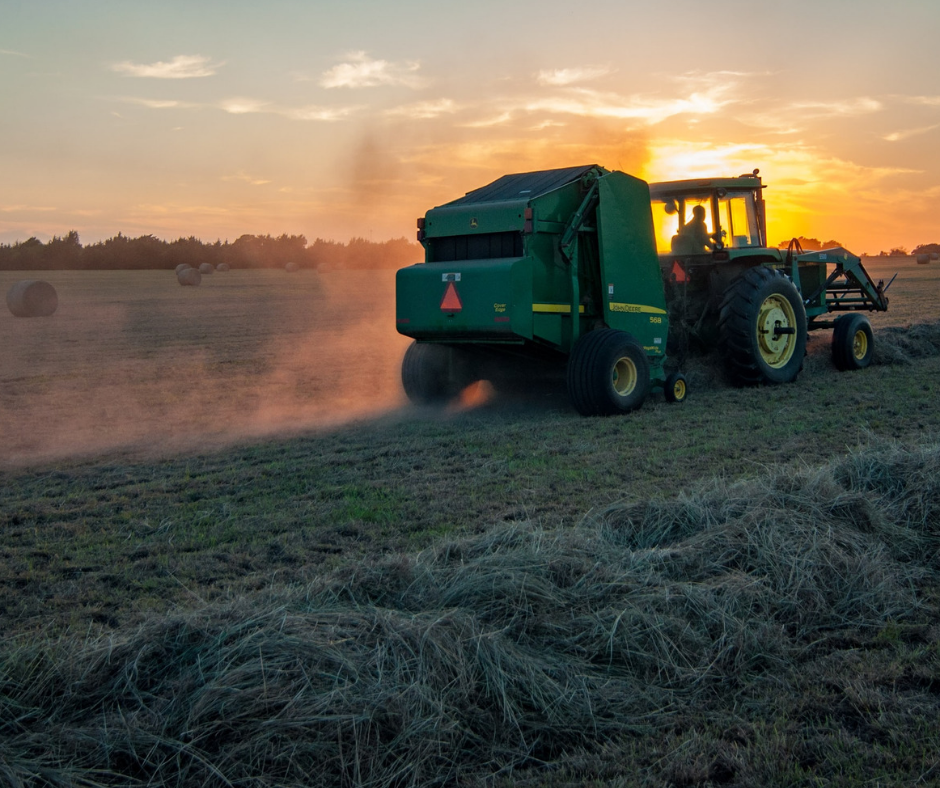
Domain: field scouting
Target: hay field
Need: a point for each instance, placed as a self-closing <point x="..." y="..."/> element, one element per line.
<point x="741" y="590"/>
<point x="131" y="359"/>
<point x="915" y="295"/>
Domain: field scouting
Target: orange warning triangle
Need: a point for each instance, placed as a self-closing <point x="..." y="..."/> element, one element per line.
<point x="451" y="301"/>
<point x="678" y="272"/>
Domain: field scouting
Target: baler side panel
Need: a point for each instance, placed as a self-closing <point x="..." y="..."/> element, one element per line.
<point x="495" y="301"/>
<point x="631" y="283"/>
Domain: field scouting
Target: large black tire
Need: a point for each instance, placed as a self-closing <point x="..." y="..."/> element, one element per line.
<point x="432" y="374"/>
<point x="762" y="328"/>
<point x="853" y="343"/>
<point x="608" y="373"/>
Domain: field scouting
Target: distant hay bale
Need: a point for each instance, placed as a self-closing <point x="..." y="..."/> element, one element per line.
<point x="935" y="255"/>
<point x="32" y="298"/>
<point x="222" y="267"/>
<point x="206" y="268"/>
<point x="189" y="276"/>
<point x="182" y="267"/>
<point x="291" y="267"/>
<point x="923" y="259"/>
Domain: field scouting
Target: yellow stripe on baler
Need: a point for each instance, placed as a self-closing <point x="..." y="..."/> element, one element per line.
<point x="563" y="309"/>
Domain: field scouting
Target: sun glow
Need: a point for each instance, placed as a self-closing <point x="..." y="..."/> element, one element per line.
<point x="475" y="395"/>
<point x="808" y="192"/>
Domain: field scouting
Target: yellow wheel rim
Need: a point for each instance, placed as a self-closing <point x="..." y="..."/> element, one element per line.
<point x="776" y="349"/>
<point x="624" y="376"/>
<point x="860" y="345"/>
<point x="678" y="390"/>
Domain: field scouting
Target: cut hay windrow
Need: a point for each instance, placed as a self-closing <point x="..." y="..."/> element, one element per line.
<point x="902" y="345"/>
<point x="491" y="652"/>
<point x="893" y="345"/>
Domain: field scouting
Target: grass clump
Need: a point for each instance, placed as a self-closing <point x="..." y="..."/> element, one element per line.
<point x="904" y="344"/>
<point x="514" y="648"/>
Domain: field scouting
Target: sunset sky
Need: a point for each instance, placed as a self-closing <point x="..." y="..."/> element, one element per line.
<point x="340" y="119"/>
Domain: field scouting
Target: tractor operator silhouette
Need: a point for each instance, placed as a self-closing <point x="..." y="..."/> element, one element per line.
<point x="693" y="236"/>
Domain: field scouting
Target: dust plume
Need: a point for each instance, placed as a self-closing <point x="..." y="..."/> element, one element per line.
<point x="406" y="168"/>
<point x="132" y="361"/>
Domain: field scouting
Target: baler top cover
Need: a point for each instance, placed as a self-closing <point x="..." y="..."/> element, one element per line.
<point x="522" y="186"/>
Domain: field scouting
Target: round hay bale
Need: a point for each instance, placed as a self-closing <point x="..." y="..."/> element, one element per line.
<point x="222" y="267"/>
<point x="32" y="298"/>
<point x="923" y="259"/>
<point x="189" y="276"/>
<point x="935" y="256"/>
<point x="182" y="267"/>
<point x="206" y="268"/>
<point x="291" y="267"/>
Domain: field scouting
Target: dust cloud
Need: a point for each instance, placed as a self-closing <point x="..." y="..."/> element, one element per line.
<point x="133" y="362"/>
<point x="406" y="168"/>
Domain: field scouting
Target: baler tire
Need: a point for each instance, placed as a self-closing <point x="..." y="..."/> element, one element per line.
<point x="676" y="389"/>
<point x="758" y="296"/>
<point x="430" y="373"/>
<point x="853" y="343"/>
<point x="608" y="373"/>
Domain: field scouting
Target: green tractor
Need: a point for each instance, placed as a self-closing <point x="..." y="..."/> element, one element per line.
<point x="599" y="274"/>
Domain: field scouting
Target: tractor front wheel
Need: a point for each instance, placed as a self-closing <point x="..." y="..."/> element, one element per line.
<point x="432" y="374"/>
<point x="675" y="389"/>
<point x="608" y="373"/>
<point x="853" y="343"/>
<point x="762" y="328"/>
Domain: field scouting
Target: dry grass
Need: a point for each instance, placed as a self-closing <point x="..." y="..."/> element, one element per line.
<point x="494" y="652"/>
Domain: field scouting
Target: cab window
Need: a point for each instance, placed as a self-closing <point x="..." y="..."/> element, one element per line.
<point x="738" y="220"/>
<point x="682" y="223"/>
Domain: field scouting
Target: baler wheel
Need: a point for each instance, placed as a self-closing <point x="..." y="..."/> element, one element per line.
<point x="853" y="343"/>
<point x="608" y="373"/>
<point x="432" y="374"/>
<point x="762" y="328"/>
<point x="676" y="389"/>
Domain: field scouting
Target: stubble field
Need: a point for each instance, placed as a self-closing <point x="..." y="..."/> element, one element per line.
<point x="182" y="464"/>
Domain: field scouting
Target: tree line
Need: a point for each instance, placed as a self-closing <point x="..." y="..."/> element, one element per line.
<point x="815" y="245"/>
<point x="247" y="251"/>
<point x="250" y="251"/>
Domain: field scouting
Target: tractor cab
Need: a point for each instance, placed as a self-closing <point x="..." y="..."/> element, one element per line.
<point x="708" y="216"/>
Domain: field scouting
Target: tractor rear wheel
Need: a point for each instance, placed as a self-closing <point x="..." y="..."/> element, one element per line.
<point x="762" y="328"/>
<point x="432" y="374"/>
<point x="608" y="373"/>
<point x="853" y="343"/>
